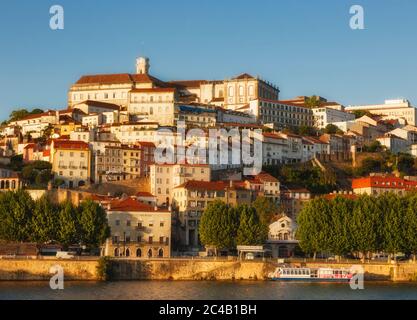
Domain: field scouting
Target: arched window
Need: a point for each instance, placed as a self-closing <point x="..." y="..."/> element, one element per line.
<point x="161" y="253"/>
<point x="127" y="252"/>
<point x="116" y="252"/>
<point x="138" y="253"/>
<point x="221" y="93"/>
<point x="250" y="90"/>
<point x="2" y="184"/>
<point x="280" y="236"/>
<point x="231" y="92"/>
<point x="286" y="236"/>
<point x="241" y="91"/>
<point x="7" y="184"/>
<point x="150" y="253"/>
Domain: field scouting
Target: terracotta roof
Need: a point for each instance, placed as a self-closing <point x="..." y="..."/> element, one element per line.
<point x="273" y="135"/>
<point x="266" y="177"/>
<point x="244" y="76"/>
<point x="145" y="144"/>
<point x="39" y="115"/>
<point x="332" y="196"/>
<point x="144" y="194"/>
<point x="388" y="182"/>
<point x="204" y="185"/>
<point x="105" y="79"/>
<point x="130" y="204"/>
<point x="67" y="144"/>
<point x="119" y="78"/>
<point x="100" y="104"/>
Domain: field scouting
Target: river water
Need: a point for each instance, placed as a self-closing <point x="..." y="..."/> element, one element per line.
<point x="205" y="290"/>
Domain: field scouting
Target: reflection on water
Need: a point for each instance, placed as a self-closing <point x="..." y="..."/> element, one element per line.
<point x="205" y="290"/>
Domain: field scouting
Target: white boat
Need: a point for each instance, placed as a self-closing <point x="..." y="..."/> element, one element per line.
<point x="311" y="274"/>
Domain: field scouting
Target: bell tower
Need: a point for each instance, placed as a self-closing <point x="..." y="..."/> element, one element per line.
<point x="142" y="65"/>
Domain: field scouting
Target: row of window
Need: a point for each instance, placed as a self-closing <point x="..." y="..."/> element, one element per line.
<point x="99" y="96"/>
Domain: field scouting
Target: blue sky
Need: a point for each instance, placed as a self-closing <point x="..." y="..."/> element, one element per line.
<point x="306" y="47"/>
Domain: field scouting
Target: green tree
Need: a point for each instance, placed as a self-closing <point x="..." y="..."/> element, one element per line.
<point x="341" y="211"/>
<point x="68" y="228"/>
<point x="218" y="225"/>
<point x="332" y="129"/>
<point x="313" y="102"/>
<point x="15" y="216"/>
<point x="93" y="224"/>
<point x="266" y="209"/>
<point x="251" y="231"/>
<point x="365" y="225"/>
<point x="410" y="225"/>
<point x="393" y="210"/>
<point x="314" y="225"/>
<point x="44" y="221"/>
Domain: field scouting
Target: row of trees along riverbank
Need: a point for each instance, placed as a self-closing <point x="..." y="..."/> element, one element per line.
<point x="341" y="226"/>
<point x="224" y="227"/>
<point x="24" y="220"/>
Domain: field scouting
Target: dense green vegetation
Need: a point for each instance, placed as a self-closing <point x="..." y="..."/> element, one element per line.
<point x="368" y="224"/>
<point x="25" y="220"/>
<point x="224" y="227"/>
<point x="306" y="176"/>
<point x="19" y="114"/>
<point x="402" y="163"/>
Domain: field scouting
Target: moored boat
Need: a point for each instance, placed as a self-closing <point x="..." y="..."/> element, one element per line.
<point x="311" y="274"/>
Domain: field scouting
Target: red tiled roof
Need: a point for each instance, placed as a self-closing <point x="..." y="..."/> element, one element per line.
<point x="118" y="78"/>
<point x="130" y="204"/>
<point x="145" y="144"/>
<point x="67" y="144"/>
<point x="266" y="177"/>
<point x="332" y="196"/>
<point x="204" y="185"/>
<point x="244" y="76"/>
<point x="144" y="194"/>
<point x="384" y="182"/>
<point x="100" y="104"/>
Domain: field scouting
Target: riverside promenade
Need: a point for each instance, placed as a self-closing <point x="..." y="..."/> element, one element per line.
<point x="196" y="269"/>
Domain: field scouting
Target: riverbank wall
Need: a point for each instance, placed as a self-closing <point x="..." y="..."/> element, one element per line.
<point x="183" y="269"/>
<point x="42" y="269"/>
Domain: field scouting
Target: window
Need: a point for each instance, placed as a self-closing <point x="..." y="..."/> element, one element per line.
<point x="71" y="154"/>
<point x="161" y="224"/>
<point x="231" y="91"/>
<point x="117" y="222"/>
<point x="128" y="223"/>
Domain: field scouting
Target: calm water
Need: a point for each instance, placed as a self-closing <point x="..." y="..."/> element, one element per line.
<point x="154" y="290"/>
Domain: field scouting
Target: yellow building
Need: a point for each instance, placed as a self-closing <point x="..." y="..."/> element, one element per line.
<point x="71" y="162"/>
<point x="138" y="230"/>
<point x="165" y="177"/>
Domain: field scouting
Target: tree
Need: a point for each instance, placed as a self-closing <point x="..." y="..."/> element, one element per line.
<point x="392" y="208"/>
<point x="44" y="221"/>
<point x="313" y="102"/>
<point x="332" y="129"/>
<point x="15" y="215"/>
<point x="410" y="225"/>
<point x="266" y="209"/>
<point x="18" y="114"/>
<point x="218" y="225"/>
<point x="93" y="224"/>
<point x="68" y="228"/>
<point x="341" y="211"/>
<point x="252" y="231"/>
<point x="364" y="225"/>
<point x="314" y="224"/>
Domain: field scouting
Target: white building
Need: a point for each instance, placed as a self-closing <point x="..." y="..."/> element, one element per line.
<point x="326" y="115"/>
<point x="391" y="109"/>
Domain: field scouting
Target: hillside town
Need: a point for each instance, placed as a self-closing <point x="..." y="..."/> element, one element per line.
<point x="102" y="147"/>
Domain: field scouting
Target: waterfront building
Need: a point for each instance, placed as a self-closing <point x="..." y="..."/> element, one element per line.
<point x="281" y="237"/>
<point x="138" y="230"/>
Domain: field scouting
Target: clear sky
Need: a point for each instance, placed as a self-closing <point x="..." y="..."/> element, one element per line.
<point x="306" y="47"/>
